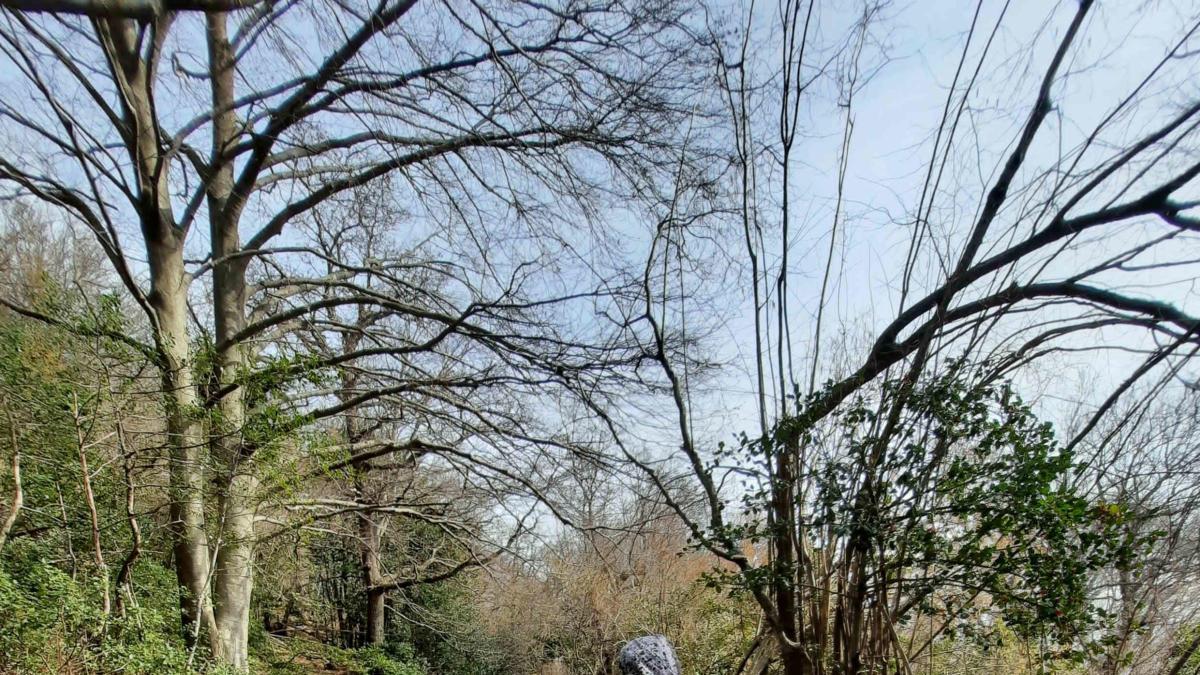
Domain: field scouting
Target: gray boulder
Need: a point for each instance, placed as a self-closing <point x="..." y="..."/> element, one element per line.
<point x="648" y="655"/>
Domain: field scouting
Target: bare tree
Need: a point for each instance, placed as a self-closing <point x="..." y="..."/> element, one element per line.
<point x="447" y="382"/>
<point x="1144" y="455"/>
<point x="1046" y="261"/>
<point x="143" y="121"/>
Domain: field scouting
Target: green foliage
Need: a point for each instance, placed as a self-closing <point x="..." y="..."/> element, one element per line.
<point x="52" y="623"/>
<point x="966" y="495"/>
<point x="1009" y="521"/>
<point x="393" y="661"/>
<point x="44" y="380"/>
<point x="711" y="632"/>
<point x="447" y="637"/>
<point x="1184" y="640"/>
<point x="46" y="619"/>
<point x="450" y="639"/>
<point x="300" y="656"/>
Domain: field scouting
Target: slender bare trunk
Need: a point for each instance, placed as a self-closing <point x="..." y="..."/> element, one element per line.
<point x="18" y="498"/>
<point x="124" y="585"/>
<point x="89" y="497"/>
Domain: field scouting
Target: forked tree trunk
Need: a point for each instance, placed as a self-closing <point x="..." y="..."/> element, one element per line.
<point x="168" y="304"/>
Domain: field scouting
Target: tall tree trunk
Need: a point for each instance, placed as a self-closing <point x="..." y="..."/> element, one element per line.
<point x="234" y="575"/>
<point x="370" y="540"/>
<point x="372" y="577"/>
<point x="796" y="661"/>
<point x="185" y="432"/>
<point x="369" y="533"/>
<point x="168" y="304"/>
<point x="234" y="578"/>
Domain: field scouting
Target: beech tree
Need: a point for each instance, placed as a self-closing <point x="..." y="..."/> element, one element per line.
<point x="201" y="131"/>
